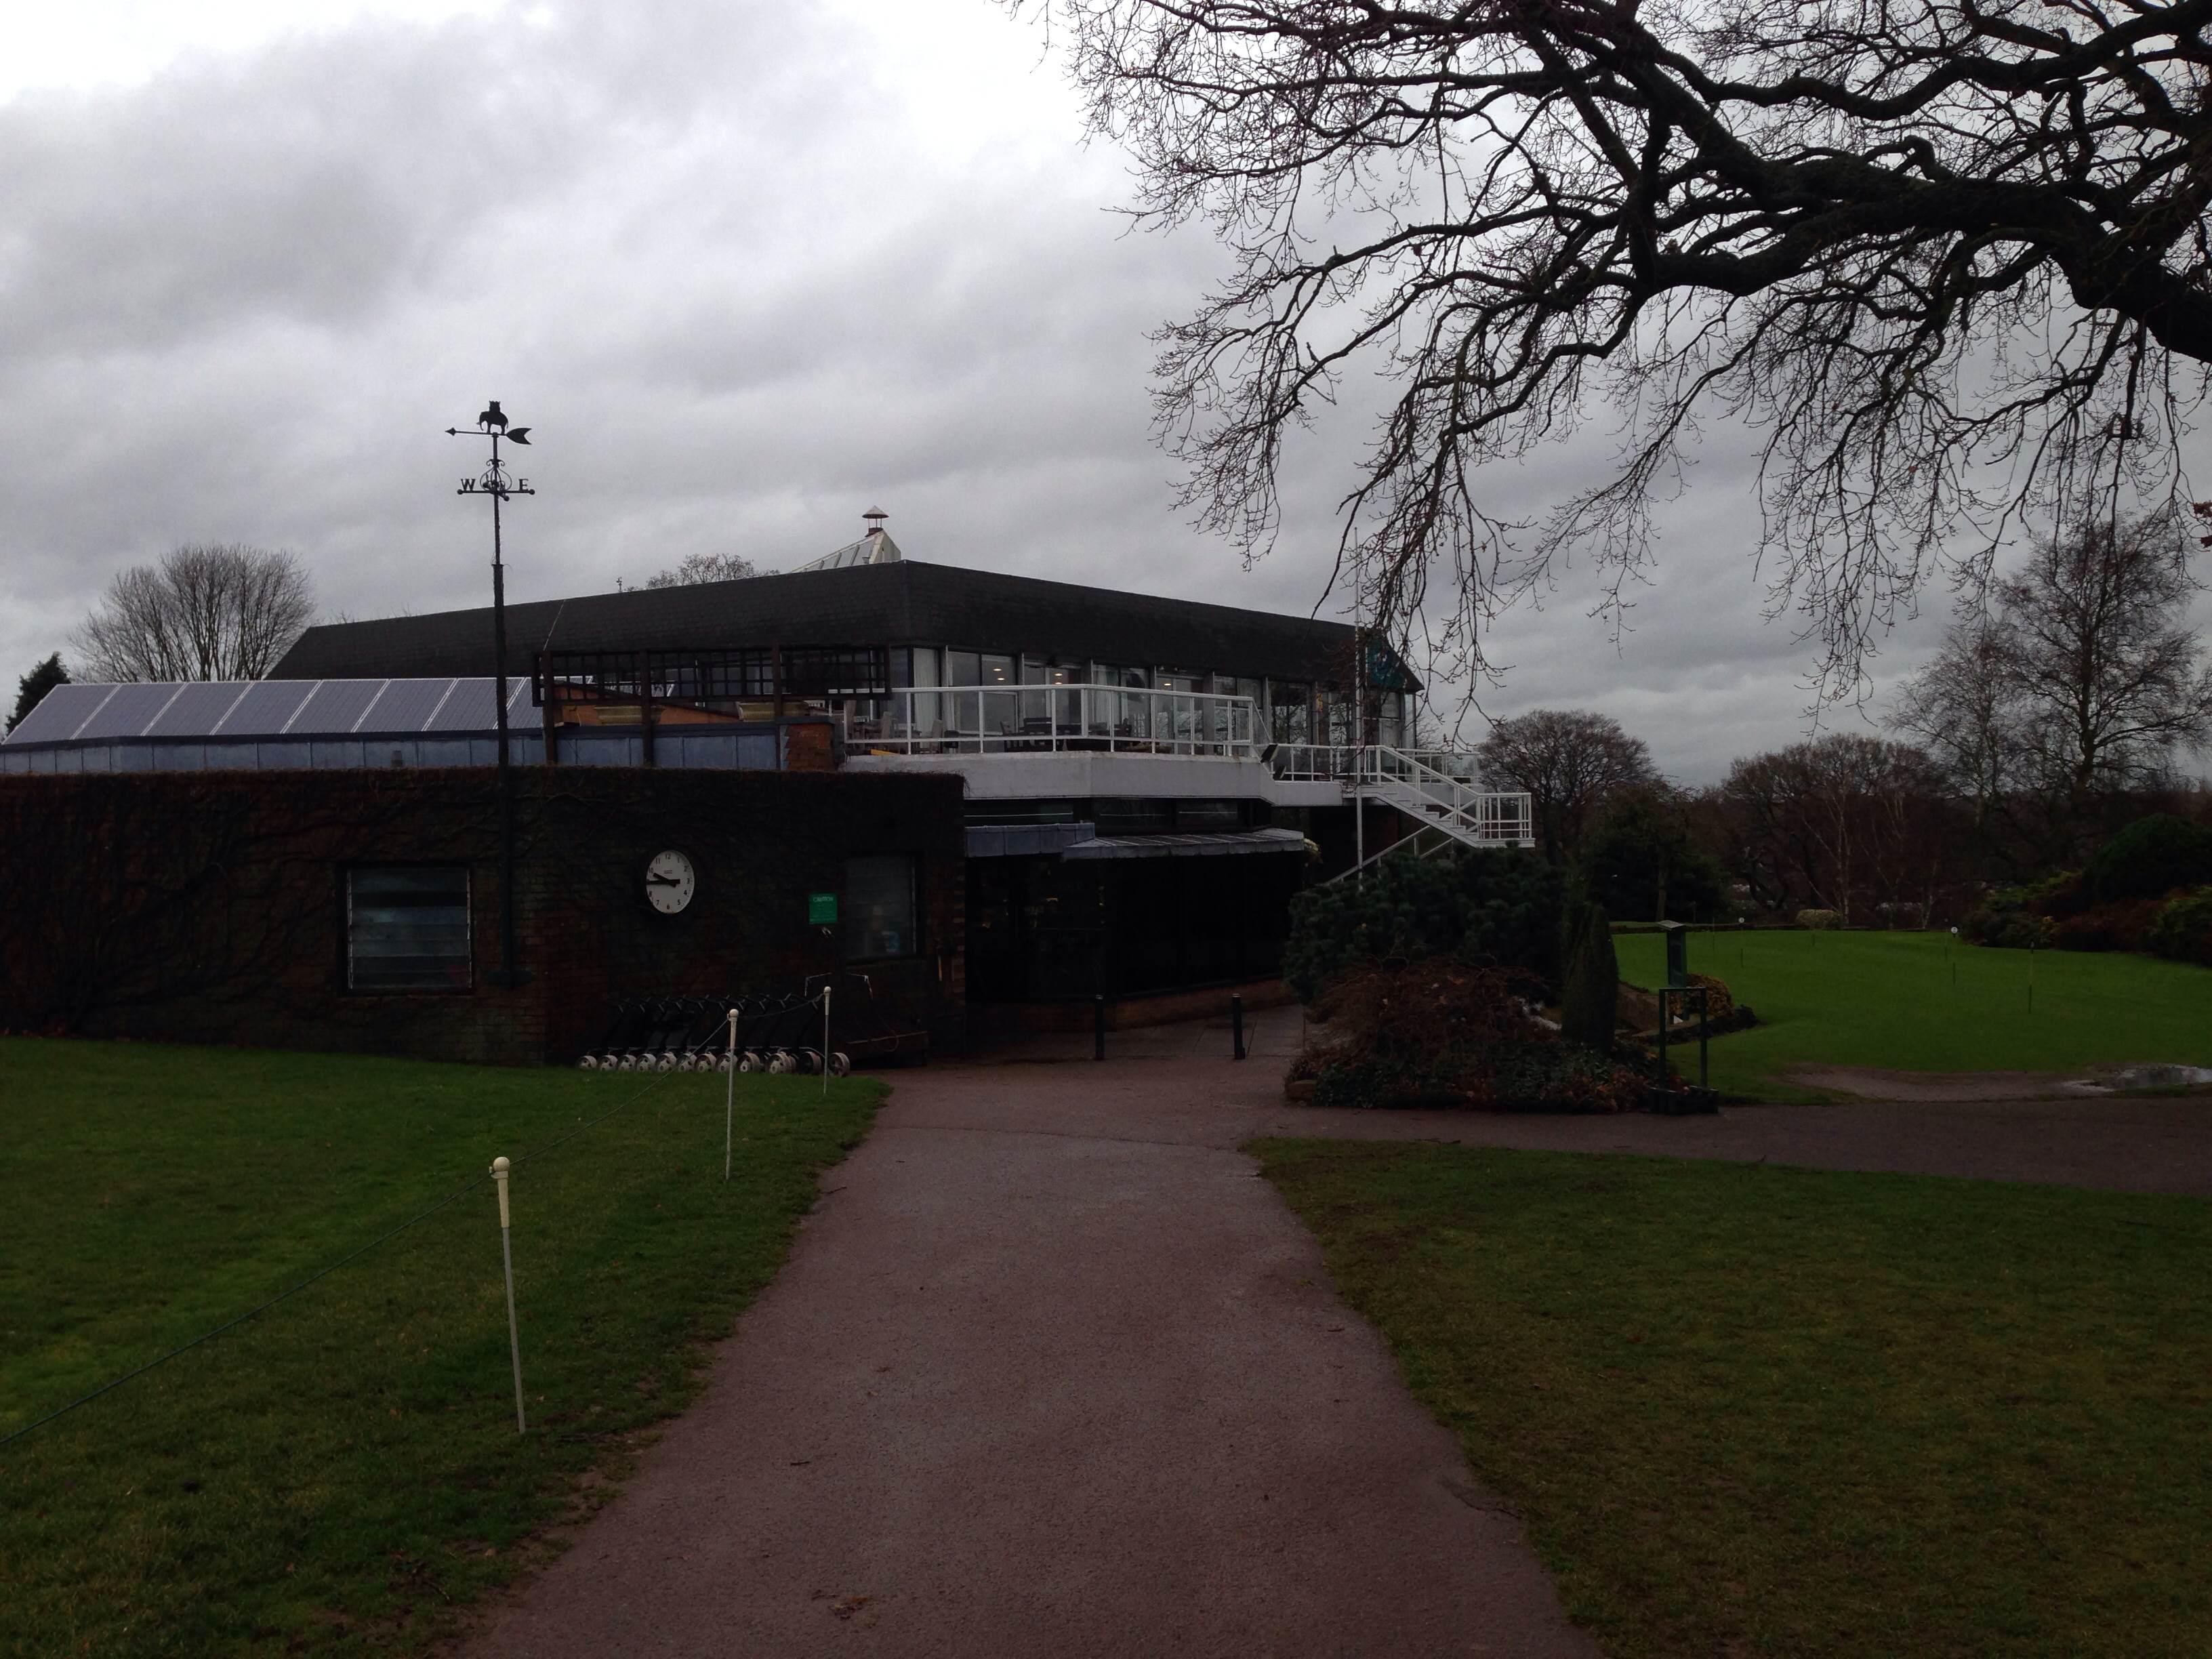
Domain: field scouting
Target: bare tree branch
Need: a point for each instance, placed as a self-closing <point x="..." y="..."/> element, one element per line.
<point x="1947" y="258"/>
<point x="206" y="612"/>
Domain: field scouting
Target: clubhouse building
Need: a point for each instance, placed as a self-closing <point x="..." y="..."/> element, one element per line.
<point x="992" y="798"/>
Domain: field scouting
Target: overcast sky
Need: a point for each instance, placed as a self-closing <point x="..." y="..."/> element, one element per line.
<point x="746" y="268"/>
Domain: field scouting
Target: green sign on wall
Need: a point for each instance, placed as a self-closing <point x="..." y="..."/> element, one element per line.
<point x="822" y="909"/>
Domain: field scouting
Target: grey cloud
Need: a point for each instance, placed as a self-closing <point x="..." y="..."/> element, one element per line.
<point x="729" y="264"/>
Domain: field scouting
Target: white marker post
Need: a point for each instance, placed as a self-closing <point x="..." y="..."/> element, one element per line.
<point x="730" y="1094"/>
<point x="499" y="1169"/>
<point x="825" y="1042"/>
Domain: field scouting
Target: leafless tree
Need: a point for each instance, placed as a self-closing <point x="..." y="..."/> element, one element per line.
<point x="1963" y="710"/>
<point x="2101" y="658"/>
<point x="1949" y="258"/>
<point x="1570" y="762"/>
<point x="704" y="567"/>
<point x="2084" y="683"/>
<point x="1842" y="822"/>
<point x="207" y="611"/>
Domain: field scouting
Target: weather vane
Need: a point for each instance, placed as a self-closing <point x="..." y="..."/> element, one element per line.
<point x="493" y="482"/>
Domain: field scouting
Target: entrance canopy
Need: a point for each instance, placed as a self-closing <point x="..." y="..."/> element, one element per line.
<point x="1188" y="847"/>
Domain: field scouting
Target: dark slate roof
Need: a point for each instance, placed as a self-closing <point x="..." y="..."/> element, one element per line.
<point x="899" y="603"/>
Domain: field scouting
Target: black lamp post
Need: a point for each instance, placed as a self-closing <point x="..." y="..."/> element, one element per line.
<point x="493" y="482"/>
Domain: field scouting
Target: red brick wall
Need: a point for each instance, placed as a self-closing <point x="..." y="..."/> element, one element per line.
<point x="209" y="907"/>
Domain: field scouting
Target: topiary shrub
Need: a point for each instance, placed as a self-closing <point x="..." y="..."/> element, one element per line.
<point x="1588" y="1004"/>
<point x="1496" y="907"/>
<point x="2151" y="857"/>
<point x="2182" y="928"/>
<point x="1821" y="919"/>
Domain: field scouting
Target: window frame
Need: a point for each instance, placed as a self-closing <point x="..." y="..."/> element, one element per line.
<point x="347" y="960"/>
<point x="913" y="945"/>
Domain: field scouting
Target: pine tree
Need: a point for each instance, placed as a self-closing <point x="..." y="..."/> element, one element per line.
<point x="31" y="689"/>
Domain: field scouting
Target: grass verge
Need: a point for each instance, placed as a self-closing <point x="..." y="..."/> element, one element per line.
<point x="1747" y="1410"/>
<point x="342" y="1474"/>
<point x="1919" y="1002"/>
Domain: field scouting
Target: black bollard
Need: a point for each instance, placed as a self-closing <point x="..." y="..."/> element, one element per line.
<point x="1235" y="1026"/>
<point x="1097" y="1028"/>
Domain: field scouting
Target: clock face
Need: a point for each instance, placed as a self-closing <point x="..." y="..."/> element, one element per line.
<point x="670" y="881"/>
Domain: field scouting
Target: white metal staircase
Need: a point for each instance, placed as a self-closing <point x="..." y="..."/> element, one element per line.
<point x="1437" y="790"/>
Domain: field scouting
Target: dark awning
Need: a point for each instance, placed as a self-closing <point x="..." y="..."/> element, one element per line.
<point x="1014" y="840"/>
<point x="1188" y="847"/>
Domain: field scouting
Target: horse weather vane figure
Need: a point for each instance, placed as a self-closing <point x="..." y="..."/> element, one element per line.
<point x="493" y="482"/>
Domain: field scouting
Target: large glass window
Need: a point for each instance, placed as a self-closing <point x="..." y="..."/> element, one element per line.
<point x="1002" y="713"/>
<point x="407" y="927"/>
<point x="879" y="907"/>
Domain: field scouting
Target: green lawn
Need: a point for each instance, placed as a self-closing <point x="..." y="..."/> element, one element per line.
<point x="343" y="1473"/>
<point x="1890" y="999"/>
<point x="1783" y="1413"/>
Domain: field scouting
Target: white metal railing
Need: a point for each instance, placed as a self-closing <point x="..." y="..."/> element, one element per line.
<point x="1318" y="762"/>
<point x="1013" y="719"/>
<point x="1438" y="789"/>
<point x="1459" y="806"/>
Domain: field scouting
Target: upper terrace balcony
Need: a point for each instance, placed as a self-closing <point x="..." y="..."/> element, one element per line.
<point x="1086" y="741"/>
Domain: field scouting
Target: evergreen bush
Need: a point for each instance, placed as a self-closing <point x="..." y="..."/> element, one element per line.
<point x="2020" y="918"/>
<point x="2183" y="930"/>
<point x="2151" y="857"/>
<point x="1592" y="996"/>
<point x="1492" y="909"/>
<point x="1640" y="847"/>
<point x="1442" y="1034"/>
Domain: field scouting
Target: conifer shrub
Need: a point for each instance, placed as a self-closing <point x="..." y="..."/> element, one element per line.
<point x="1588" y="1004"/>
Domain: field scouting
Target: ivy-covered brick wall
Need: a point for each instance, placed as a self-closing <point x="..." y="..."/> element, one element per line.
<point x="210" y="907"/>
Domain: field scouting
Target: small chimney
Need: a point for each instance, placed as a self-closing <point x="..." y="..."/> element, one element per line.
<point x="875" y="517"/>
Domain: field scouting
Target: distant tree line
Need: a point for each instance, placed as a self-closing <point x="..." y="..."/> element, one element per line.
<point x="2044" y="725"/>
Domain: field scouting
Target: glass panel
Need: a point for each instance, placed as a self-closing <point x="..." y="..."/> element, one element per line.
<point x="1035" y="712"/>
<point x="1391" y="726"/>
<point x="963" y="715"/>
<point x="407" y="928"/>
<point x="1209" y="815"/>
<point x="880" y="908"/>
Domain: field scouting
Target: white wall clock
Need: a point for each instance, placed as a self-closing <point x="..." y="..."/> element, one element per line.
<point x="670" y="881"/>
